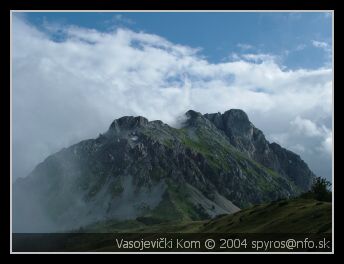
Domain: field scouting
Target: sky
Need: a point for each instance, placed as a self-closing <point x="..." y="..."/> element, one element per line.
<point x="74" y="73"/>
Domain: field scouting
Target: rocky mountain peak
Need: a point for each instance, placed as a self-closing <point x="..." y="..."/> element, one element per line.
<point x="236" y="115"/>
<point x="128" y="122"/>
<point x="236" y="123"/>
<point x="193" y="114"/>
<point x="196" y="119"/>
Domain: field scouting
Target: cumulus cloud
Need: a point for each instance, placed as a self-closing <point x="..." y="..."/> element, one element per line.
<point x="310" y="139"/>
<point x="310" y="129"/>
<point x="244" y="46"/>
<point x="326" y="48"/>
<point x="120" y="18"/>
<point x="300" y="47"/>
<point x="320" y="44"/>
<point x="258" y="57"/>
<point x="306" y="126"/>
<point x="327" y="143"/>
<point x="69" y="90"/>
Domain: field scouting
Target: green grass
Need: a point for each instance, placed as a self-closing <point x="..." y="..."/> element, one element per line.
<point x="175" y="206"/>
<point x="303" y="216"/>
<point x="222" y="158"/>
<point x="285" y="216"/>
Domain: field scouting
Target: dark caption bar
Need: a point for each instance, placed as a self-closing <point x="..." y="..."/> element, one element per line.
<point x="170" y="242"/>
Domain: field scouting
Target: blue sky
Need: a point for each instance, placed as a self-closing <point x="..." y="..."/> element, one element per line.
<point x="74" y="73"/>
<point x="299" y="40"/>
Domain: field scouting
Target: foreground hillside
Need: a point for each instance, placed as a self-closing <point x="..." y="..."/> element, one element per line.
<point x="284" y="216"/>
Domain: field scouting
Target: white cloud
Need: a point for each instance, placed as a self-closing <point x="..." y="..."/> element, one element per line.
<point x="122" y="18"/>
<point x="244" y="46"/>
<point x="306" y="126"/>
<point x="327" y="143"/>
<point x="300" y="47"/>
<point x="320" y="44"/>
<point x="67" y="91"/>
<point x="327" y="49"/>
<point x="310" y="129"/>
<point x="258" y="57"/>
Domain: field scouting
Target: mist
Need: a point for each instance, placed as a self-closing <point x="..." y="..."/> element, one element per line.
<point x="59" y="197"/>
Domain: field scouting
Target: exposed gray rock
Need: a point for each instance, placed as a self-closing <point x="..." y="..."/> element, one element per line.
<point x="247" y="138"/>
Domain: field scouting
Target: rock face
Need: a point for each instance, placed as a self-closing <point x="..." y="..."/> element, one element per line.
<point x="214" y="164"/>
<point x="247" y="138"/>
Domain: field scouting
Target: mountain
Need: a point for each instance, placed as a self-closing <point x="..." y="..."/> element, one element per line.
<point x="214" y="164"/>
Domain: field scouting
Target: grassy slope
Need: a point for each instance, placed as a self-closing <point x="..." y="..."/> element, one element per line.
<point x="286" y="216"/>
<point x="218" y="151"/>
